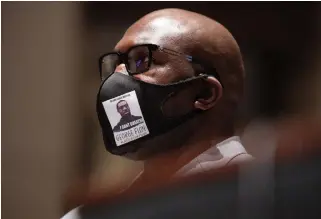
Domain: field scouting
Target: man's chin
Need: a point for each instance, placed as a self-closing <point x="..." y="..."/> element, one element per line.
<point x="140" y="154"/>
<point x="133" y="156"/>
<point x="155" y="146"/>
<point x="147" y="150"/>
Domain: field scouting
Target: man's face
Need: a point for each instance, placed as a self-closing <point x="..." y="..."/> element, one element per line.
<point x="165" y="32"/>
<point x="123" y="108"/>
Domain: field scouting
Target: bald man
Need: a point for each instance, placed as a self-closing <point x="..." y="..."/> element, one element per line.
<point x="183" y="73"/>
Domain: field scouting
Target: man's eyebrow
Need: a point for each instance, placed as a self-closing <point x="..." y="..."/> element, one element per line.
<point x="115" y="50"/>
<point x="124" y="48"/>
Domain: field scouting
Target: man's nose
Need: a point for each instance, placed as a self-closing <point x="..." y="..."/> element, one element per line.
<point x="121" y="69"/>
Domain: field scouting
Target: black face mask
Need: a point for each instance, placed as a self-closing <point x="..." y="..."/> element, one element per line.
<point x="131" y="111"/>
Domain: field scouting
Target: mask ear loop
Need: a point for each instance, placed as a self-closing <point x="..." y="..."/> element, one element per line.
<point x="199" y="77"/>
<point x="215" y="88"/>
<point x="199" y="66"/>
<point x="163" y="103"/>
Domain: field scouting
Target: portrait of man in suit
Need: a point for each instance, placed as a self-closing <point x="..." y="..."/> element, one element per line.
<point x="127" y="120"/>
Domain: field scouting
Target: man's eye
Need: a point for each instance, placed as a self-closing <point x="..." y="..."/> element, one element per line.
<point x="159" y="58"/>
<point x="155" y="61"/>
<point x="141" y="61"/>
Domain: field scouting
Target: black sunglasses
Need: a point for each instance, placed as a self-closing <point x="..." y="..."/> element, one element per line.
<point x="138" y="60"/>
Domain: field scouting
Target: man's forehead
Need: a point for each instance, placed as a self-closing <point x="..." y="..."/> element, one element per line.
<point x="162" y="31"/>
<point x="122" y="103"/>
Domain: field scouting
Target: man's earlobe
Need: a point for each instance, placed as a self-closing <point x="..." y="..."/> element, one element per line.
<point x="213" y="94"/>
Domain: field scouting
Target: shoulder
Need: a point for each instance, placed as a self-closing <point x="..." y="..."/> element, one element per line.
<point x="73" y="214"/>
<point x="117" y="127"/>
<point x="136" y="117"/>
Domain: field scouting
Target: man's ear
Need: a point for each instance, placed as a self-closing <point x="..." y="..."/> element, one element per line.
<point x="213" y="92"/>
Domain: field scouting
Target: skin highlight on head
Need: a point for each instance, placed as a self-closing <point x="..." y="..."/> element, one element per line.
<point x="206" y="39"/>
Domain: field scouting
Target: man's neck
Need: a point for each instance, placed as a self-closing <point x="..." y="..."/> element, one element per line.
<point x="126" y="116"/>
<point x="165" y="165"/>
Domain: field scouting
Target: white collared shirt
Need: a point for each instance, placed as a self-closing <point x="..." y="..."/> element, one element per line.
<point x="229" y="151"/>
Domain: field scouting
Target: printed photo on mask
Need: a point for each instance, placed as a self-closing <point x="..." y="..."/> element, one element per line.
<point x="125" y="117"/>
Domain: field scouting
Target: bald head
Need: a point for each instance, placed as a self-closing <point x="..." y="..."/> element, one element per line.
<point x="192" y="34"/>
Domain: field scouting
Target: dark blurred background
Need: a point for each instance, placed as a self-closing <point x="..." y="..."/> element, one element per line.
<point x="51" y="142"/>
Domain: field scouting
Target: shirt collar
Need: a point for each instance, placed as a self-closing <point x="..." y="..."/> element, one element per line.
<point x="216" y="156"/>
